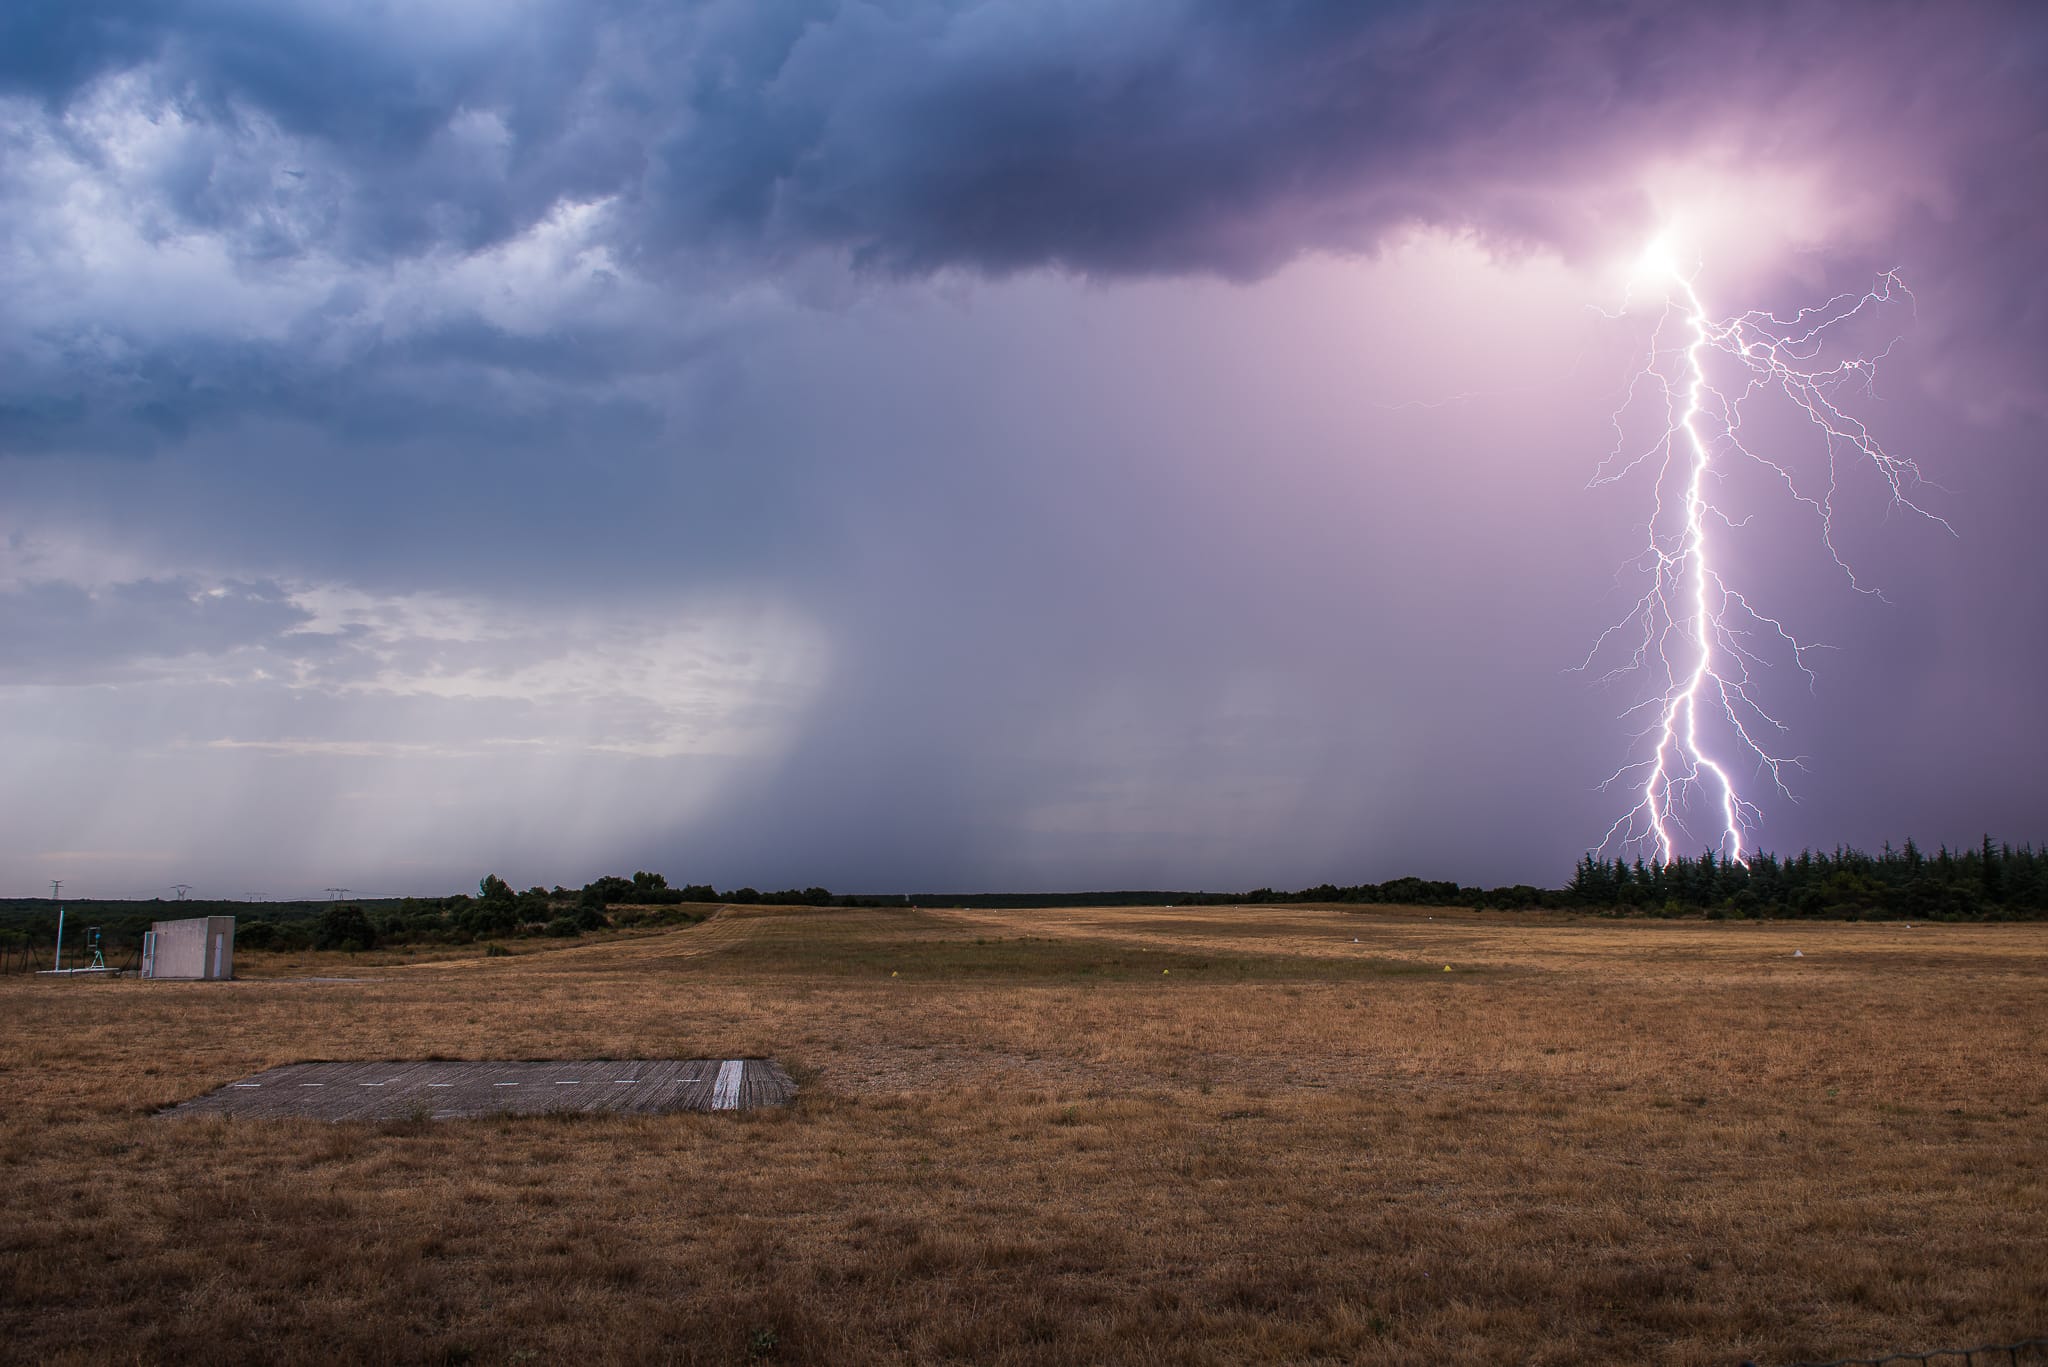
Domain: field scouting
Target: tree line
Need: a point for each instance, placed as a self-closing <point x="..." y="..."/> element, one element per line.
<point x="497" y="911"/>
<point x="1988" y="881"/>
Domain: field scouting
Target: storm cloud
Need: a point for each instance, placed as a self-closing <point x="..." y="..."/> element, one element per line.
<point x="1141" y="441"/>
<point x="339" y="163"/>
<point x="1163" y="136"/>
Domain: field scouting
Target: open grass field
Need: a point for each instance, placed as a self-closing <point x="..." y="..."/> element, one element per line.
<point x="1123" y="1136"/>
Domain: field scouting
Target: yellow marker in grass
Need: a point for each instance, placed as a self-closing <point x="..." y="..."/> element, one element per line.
<point x="1447" y="968"/>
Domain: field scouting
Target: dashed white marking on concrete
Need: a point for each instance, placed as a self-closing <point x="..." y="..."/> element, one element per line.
<point x="440" y="1084"/>
<point x="312" y="1084"/>
<point x="504" y="1084"/>
<point x="247" y="1084"/>
<point x="572" y="1082"/>
<point x="369" y="1084"/>
<point x="725" y="1093"/>
<point x="625" y="1079"/>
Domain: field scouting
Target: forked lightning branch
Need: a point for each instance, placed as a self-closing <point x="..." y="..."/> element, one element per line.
<point x="1708" y="746"/>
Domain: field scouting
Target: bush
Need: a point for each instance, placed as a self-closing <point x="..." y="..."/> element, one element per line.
<point x="256" y="935"/>
<point x="564" y="927"/>
<point x="488" y="918"/>
<point x="344" y="928"/>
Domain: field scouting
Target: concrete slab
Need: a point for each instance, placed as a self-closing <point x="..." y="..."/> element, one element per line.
<point x="450" y="1090"/>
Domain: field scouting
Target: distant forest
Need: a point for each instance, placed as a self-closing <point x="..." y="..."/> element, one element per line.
<point x="1987" y="882"/>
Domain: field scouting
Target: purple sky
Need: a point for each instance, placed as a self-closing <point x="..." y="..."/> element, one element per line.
<point x="926" y="445"/>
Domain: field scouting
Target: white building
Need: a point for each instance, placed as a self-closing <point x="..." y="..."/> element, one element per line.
<point x="203" y="947"/>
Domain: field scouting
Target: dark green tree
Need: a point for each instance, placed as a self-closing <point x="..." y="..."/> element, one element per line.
<point x="344" y="927"/>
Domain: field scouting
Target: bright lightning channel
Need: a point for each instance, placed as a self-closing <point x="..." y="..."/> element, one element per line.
<point x="1693" y="632"/>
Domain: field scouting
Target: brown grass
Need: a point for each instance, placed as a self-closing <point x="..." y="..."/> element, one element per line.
<point x="1058" y="1136"/>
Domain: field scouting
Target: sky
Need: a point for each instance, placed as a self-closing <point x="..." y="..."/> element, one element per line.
<point x="975" y="444"/>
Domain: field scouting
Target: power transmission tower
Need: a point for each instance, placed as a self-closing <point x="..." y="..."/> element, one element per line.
<point x="179" y="890"/>
<point x="337" y="894"/>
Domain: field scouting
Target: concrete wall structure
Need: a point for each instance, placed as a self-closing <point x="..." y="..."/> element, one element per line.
<point x="202" y="947"/>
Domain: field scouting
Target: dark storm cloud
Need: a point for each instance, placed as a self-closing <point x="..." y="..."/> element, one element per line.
<point x="1157" y="137"/>
<point x="1167" y="138"/>
<point x="1142" y="139"/>
<point x="332" y="127"/>
<point x="1165" y="135"/>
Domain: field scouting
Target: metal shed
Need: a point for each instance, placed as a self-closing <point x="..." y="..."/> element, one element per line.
<point x="202" y="947"/>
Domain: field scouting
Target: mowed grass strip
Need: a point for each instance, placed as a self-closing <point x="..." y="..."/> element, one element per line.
<point x="928" y="946"/>
<point x="1605" y="1143"/>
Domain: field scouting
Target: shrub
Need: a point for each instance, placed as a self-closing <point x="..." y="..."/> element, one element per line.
<point x="344" y="928"/>
<point x="256" y="935"/>
<point x="564" y="927"/>
<point x="488" y="918"/>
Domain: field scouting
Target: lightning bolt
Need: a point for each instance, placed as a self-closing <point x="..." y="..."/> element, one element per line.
<point x="1697" y="636"/>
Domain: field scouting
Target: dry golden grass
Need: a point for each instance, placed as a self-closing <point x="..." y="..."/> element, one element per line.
<point x="1058" y="1136"/>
